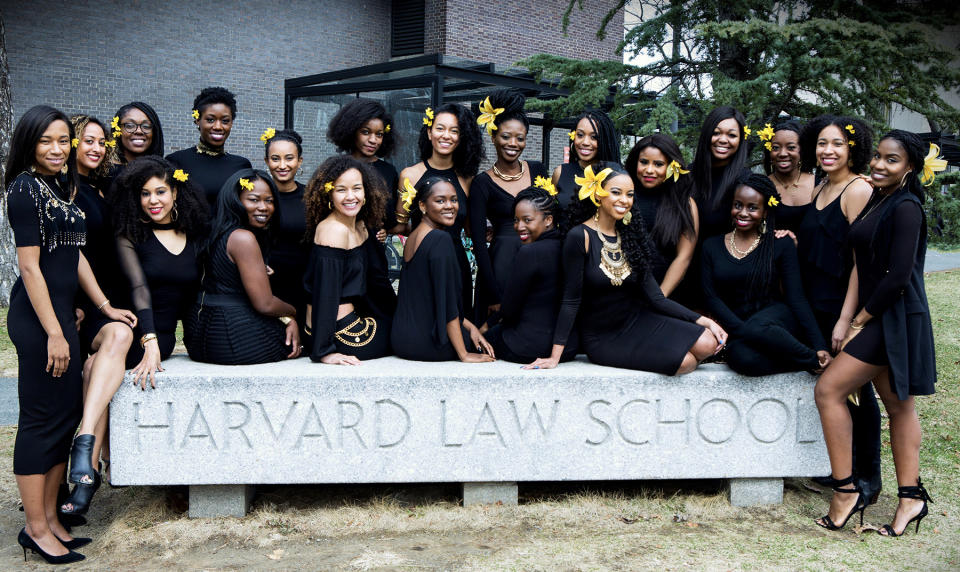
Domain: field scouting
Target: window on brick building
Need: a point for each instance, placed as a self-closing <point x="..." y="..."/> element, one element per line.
<point x="406" y="31"/>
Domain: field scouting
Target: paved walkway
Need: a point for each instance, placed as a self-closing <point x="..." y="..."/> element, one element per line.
<point x="937" y="261"/>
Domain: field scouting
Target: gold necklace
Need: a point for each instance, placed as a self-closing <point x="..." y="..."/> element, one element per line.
<point x="795" y="184"/>
<point x="205" y="149"/>
<point x="613" y="263"/>
<point x="508" y="178"/>
<point x="742" y="253"/>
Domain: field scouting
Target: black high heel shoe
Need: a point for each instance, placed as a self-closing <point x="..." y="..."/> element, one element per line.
<point x="79" y="499"/>
<point x="826" y="522"/>
<point x="77" y="542"/>
<point x="917" y="493"/>
<point x="81" y="469"/>
<point x="24" y="540"/>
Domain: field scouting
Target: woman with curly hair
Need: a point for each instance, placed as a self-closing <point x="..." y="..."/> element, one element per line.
<point x="140" y="132"/>
<point x="236" y="318"/>
<point x="625" y="321"/>
<point x="531" y="295"/>
<point x="594" y="139"/>
<point x="450" y="147"/>
<point x="363" y="128"/>
<point x="783" y="164"/>
<point x="214" y="111"/>
<point x="492" y="194"/>
<point x="351" y="300"/>
<point x="751" y="281"/>
<point x="890" y="338"/>
<point x="430" y="323"/>
<point x="664" y="204"/>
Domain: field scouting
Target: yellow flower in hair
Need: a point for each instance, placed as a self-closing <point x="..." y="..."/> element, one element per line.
<point x="195" y="114"/>
<point x="675" y="170"/>
<point x="772" y="201"/>
<point x="74" y="142"/>
<point x="545" y="184"/>
<point x="246" y="185"/>
<point x="488" y="114"/>
<point x="592" y="185"/>
<point x="768" y="145"/>
<point x="851" y="143"/>
<point x="268" y="134"/>
<point x="766" y="134"/>
<point x="746" y="131"/>
<point x="849" y="127"/>
<point x="932" y="164"/>
<point x="328" y="186"/>
<point x="428" y="120"/>
<point x="387" y="128"/>
<point x="573" y="135"/>
<point x="407" y="195"/>
<point x="111" y="143"/>
<point x="115" y="122"/>
<point x="182" y="176"/>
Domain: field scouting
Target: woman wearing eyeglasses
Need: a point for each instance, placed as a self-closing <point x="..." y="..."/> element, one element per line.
<point x="139" y="131"/>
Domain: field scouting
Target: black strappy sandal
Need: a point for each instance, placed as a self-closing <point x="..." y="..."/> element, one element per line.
<point x="826" y="522"/>
<point x="917" y="493"/>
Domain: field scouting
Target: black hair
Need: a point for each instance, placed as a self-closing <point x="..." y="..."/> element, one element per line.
<point x="542" y="201"/>
<point x="156" y="143"/>
<point x="674" y="218"/>
<point x="23" y="144"/>
<point x="343" y="128"/>
<point x="284" y="135"/>
<point x="608" y="138"/>
<point x="788" y="125"/>
<point x="100" y="177"/>
<point x="761" y="276"/>
<point x="424" y="189"/>
<point x="637" y="244"/>
<point x="862" y="138"/>
<point x="231" y="214"/>
<point x="213" y="95"/>
<point x="512" y="102"/>
<point x="916" y="154"/>
<point x="469" y="151"/>
<point x="128" y="222"/>
<point x="702" y="166"/>
<point x="316" y="198"/>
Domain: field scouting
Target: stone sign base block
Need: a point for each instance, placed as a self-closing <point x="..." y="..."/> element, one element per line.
<point x="208" y="501"/>
<point x="490" y="493"/>
<point x="754" y="492"/>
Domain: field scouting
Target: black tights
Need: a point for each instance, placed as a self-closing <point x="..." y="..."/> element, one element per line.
<point x="764" y="344"/>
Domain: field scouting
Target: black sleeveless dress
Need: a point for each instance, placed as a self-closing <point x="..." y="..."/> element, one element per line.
<point x="222" y="326"/>
<point x="455" y="231"/>
<point x="41" y="214"/>
<point x="790" y="217"/>
<point x="567" y="188"/>
<point x="646" y="203"/>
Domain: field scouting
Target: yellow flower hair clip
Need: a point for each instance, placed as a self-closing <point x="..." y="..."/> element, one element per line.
<point x="182" y="176"/>
<point x="115" y="122"/>
<point x="675" y="170"/>
<point x="74" y="142"/>
<point x="851" y="143"/>
<point x="592" y="185"/>
<point x="766" y="134"/>
<point x="932" y="164"/>
<point x="746" y="131"/>
<point x="772" y="201"/>
<point x="195" y="114"/>
<point x="407" y="195"/>
<point x="111" y="143"/>
<point x="268" y="134"/>
<point x="328" y="186"/>
<point x="573" y="135"/>
<point x="246" y="185"/>
<point x="387" y="128"/>
<point x="849" y="127"/>
<point x="488" y="114"/>
<point x="768" y="146"/>
<point x="428" y="120"/>
<point x="545" y="184"/>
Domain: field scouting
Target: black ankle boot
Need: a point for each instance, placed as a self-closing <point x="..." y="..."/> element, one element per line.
<point x="78" y="503"/>
<point x="81" y="470"/>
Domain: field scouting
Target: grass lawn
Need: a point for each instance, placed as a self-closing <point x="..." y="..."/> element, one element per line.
<point x="571" y="526"/>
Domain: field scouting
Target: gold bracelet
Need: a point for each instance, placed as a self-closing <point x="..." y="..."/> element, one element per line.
<point x="285" y="319"/>
<point x="146" y="338"/>
<point x="854" y="326"/>
<point x="403" y="218"/>
<point x="103" y="304"/>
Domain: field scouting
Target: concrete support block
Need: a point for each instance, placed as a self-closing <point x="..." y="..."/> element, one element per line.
<point x="490" y="493"/>
<point x="208" y="501"/>
<point x="754" y="492"/>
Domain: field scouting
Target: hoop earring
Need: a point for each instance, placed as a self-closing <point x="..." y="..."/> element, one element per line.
<point x="627" y="217"/>
<point x="174" y="215"/>
<point x="763" y="226"/>
<point x="330" y="205"/>
<point x="903" y="179"/>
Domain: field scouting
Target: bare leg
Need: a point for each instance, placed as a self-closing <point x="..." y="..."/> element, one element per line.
<point x="32" y="492"/>
<point x="844" y="375"/>
<point x="704" y="347"/>
<point x="51" y="488"/>
<point x="905" y="437"/>
<point x="105" y="376"/>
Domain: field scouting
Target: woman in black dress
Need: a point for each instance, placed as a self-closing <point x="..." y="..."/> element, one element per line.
<point x="531" y="296"/>
<point x="363" y="128"/>
<point x="208" y="163"/>
<point x="450" y="147"/>
<point x="890" y="339"/>
<point x="283" y="154"/>
<point x="625" y="321"/>
<point x="352" y="301"/>
<point x="492" y="194"/>
<point x="751" y="281"/>
<point x="663" y="202"/>
<point x="138" y="129"/>
<point x="430" y="323"/>
<point x="236" y="319"/>
<point x="594" y="139"/>
<point x="782" y="163"/>
<point x="48" y="232"/>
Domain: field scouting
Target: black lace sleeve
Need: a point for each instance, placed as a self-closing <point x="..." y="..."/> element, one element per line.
<point x="139" y="288"/>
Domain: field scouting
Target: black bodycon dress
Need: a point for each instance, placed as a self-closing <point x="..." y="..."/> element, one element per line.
<point x="42" y="215"/>
<point x="772" y="333"/>
<point x="208" y="172"/>
<point x="290" y="251"/>
<point x="631" y="325"/>
<point x="429" y="298"/>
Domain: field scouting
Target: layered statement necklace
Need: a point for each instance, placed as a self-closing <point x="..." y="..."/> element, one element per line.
<point x="742" y="253"/>
<point x="500" y="175"/>
<point x="613" y="263"/>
